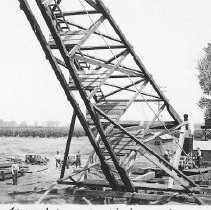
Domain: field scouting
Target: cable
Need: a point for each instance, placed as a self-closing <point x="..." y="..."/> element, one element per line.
<point x="133" y="82"/>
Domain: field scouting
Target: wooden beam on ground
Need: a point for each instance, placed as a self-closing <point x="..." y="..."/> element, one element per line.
<point x="69" y="138"/>
<point x="88" y="34"/>
<point x="38" y="32"/>
<point x="141" y="196"/>
<point x="138" y="186"/>
<point x="200" y="177"/>
<point x="144" y="177"/>
<point x="119" y="194"/>
<point x="171" y="173"/>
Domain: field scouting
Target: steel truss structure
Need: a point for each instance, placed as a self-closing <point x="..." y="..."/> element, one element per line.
<point x="110" y="79"/>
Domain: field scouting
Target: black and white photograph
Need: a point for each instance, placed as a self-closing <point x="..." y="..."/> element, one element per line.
<point x="105" y="104"/>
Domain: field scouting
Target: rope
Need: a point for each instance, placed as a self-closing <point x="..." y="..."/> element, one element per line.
<point x="133" y="82"/>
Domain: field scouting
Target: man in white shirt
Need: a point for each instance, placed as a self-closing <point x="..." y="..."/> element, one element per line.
<point x="58" y="159"/>
<point x="15" y="169"/>
<point x="167" y="155"/>
<point x="198" y="157"/>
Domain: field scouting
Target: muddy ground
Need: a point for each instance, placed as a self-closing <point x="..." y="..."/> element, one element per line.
<point x="30" y="185"/>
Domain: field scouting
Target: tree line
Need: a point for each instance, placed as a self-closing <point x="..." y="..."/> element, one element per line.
<point x="41" y="132"/>
<point x="204" y="76"/>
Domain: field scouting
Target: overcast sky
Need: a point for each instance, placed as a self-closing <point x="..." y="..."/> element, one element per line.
<point x="168" y="36"/>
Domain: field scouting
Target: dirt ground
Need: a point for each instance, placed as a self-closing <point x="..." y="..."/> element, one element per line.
<point x="31" y="183"/>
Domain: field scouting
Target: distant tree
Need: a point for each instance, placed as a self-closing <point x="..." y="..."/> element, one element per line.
<point x="23" y="124"/>
<point x="35" y="124"/>
<point x="51" y="123"/>
<point x="2" y="123"/>
<point x="204" y="68"/>
<point x="11" y="124"/>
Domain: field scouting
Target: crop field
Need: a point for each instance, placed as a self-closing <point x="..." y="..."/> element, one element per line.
<point x="42" y="132"/>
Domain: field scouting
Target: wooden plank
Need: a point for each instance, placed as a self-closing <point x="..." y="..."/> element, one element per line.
<point x="86" y="85"/>
<point x="137" y="185"/>
<point x="88" y="34"/>
<point x="91" y="77"/>
<point x="114" y="108"/>
<point x="164" y="132"/>
<point x="101" y="34"/>
<point x="102" y="47"/>
<point x="137" y="93"/>
<point x="200" y="177"/>
<point x="118" y="152"/>
<point x="111" y="115"/>
<point x="110" y="72"/>
<point x="109" y="106"/>
<point x="125" y="146"/>
<point x="99" y="72"/>
<point x="119" y="194"/>
<point x="197" y="171"/>
<point x="124" y="141"/>
<point x="120" y="144"/>
<point x="153" y="120"/>
<point x="121" y="88"/>
<point x="82" y="12"/>
<point x="144" y="177"/>
<point x="98" y="63"/>
<point x="68" y="37"/>
<point x="67" y="148"/>
<point x="100" y="117"/>
<point x="114" y="111"/>
<point x="46" y="2"/>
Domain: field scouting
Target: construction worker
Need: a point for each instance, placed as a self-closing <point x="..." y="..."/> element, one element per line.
<point x="78" y="159"/>
<point x="167" y="155"/>
<point x="198" y="157"/>
<point x="58" y="160"/>
<point x="15" y="169"/>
